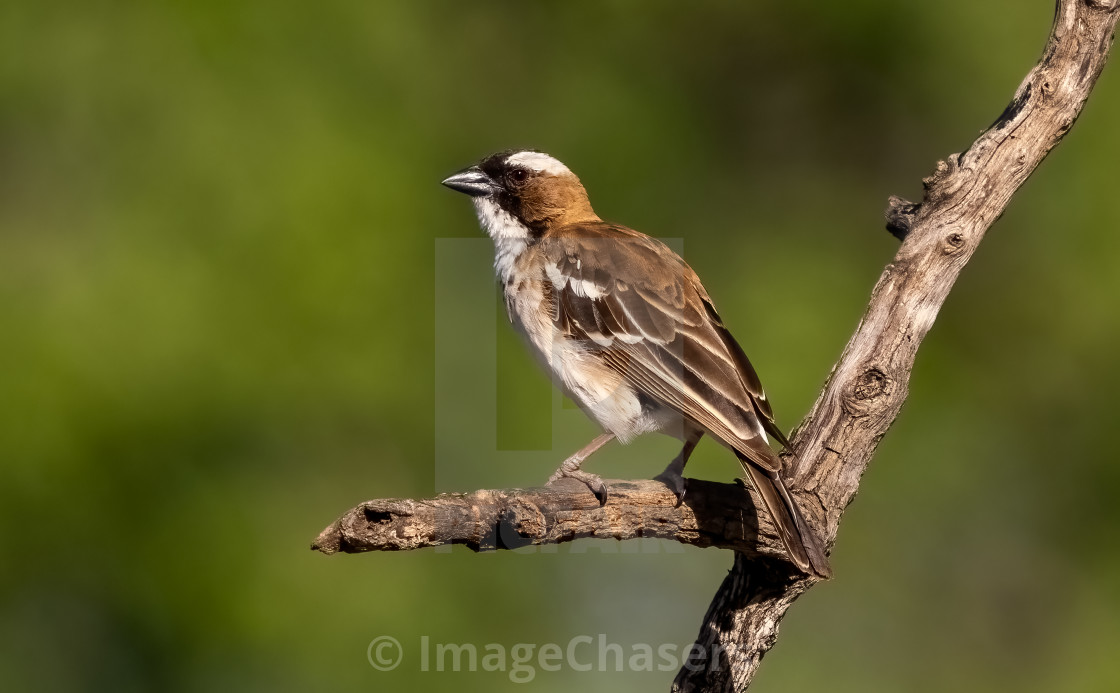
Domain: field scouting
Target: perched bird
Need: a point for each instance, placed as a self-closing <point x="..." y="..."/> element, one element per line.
<point x="627" y="330"/>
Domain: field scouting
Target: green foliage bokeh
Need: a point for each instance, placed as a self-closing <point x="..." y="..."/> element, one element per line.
<point x="219" y="224"/>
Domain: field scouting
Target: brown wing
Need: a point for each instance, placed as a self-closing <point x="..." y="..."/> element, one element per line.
<point x="637" y="302"/>
<point x="750" y="377"/>
<point x="645" y="311"/>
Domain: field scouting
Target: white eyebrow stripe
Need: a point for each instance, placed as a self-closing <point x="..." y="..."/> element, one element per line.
<point x="538" y="161"/>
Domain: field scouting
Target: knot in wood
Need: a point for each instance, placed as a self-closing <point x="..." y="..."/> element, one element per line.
<point x="940" y="171"/>
<point x="944" y="182"/>
<point x="954" y="243"/>
<point x="869" y="388"/>
<point x="871" y="384"/>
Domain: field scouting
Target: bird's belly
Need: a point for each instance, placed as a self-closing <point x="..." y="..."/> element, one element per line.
<point x="600" y="391"/>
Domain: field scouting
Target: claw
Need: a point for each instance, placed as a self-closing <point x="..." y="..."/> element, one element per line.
<point x="593" y="482"/>
<point x="676" y="483"/>
<point x="600" y="492"/>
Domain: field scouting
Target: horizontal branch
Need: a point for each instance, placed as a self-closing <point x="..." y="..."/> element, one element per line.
<point x="712" y="514"/>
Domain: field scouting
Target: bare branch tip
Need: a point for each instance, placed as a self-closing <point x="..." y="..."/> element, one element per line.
<point x="900" y="214"/>
<point x="329" y="541"/>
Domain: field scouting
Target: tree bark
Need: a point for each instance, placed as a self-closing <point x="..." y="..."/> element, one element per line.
<point x="965" y="195"/>
<point x="832" y="447"/>
<point x="713" y="514"/>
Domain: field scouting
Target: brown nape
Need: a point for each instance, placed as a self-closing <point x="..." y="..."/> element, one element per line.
<point x="550" y="201"/>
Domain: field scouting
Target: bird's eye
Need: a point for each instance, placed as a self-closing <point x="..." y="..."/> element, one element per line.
<point x="518" y="175"/>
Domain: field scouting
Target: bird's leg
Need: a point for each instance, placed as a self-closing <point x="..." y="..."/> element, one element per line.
<point x="673" y="476"/>
<point x="570" y="468"/>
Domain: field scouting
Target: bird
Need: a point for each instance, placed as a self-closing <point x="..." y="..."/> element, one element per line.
<point x="628" y="332"/>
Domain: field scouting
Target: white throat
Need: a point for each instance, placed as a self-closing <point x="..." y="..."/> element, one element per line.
<point x="511" y="237"/>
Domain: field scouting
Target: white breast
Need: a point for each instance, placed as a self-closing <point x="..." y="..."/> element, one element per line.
<point x="600" y="391"/>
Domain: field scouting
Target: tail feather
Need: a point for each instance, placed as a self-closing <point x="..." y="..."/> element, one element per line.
<point x="805" y="549"/>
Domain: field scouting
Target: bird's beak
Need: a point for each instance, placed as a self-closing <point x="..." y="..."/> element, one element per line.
<point x="471" y="181"/>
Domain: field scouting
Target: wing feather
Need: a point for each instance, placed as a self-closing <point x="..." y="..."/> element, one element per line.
<point x="655" y="325"/>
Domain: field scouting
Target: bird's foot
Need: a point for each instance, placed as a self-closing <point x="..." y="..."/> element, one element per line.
<point x="675" y="481"/>
<point x="593" y="481"/>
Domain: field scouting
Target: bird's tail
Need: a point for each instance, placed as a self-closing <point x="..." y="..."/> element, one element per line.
<point x="804" y="547"/>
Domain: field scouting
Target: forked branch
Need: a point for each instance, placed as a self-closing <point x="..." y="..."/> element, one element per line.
<point x="834" y="444"/>
<point x="867" y="387"/>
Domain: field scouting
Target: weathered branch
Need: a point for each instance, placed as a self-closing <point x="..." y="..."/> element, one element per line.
<point x="867" y="387"/>
<point x="713" y="514"/>
<point x="834" y="444"/>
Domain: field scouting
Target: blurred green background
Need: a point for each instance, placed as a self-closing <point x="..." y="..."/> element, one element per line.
<point x="220" y="295"/>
